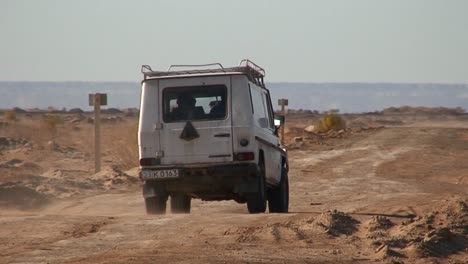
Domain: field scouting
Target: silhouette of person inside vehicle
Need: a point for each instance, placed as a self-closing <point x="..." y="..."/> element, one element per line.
<point x="218" y="109"/>
<point x="186" y="109"/>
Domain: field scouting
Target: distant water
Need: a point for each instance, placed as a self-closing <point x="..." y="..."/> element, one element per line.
<point x="348" y="97"/>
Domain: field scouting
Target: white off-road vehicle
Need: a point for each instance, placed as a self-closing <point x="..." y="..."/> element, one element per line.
<point x="210" y="133"/>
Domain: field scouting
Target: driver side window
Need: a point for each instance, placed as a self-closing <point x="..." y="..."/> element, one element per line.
<point x="260" y="110"/>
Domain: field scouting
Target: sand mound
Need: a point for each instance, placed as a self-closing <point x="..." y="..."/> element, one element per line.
<point x="20" y="164"/>
<point x="436" y="234"/>
<point x="11" y="163"/>
<point x="13" y="143"/>
<point x="111" y="176"/>
<point x="442" y="242"/>
<point x="385" y="252"/>
<point x="449" y="237"/>
<point x="36" y="190"/>
<point x="378" y="223"/>
<point x="276" y="232"/>
<point x="334" y="223"/>
<point x="358" y="124"/>
<point x="424" y="110"/>
<point x="22" y="197"/>
<point x="84" y="229"/>
<point x="386" y="122"/>
<point x="68" y="152"/>
<point x="65" y="183"/>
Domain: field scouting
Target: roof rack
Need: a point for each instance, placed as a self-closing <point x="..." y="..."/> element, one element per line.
<point x="254" y="72"/>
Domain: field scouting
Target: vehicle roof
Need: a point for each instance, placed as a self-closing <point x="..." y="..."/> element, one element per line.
<point x="251" y="70"/>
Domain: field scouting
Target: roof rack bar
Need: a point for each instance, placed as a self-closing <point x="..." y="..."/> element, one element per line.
<point x="249" y="63"/>
<point x="145" y="69"/>
<point x="195" y="65"/>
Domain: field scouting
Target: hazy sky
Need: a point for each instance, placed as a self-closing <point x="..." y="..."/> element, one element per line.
<point x="296" y="41"/>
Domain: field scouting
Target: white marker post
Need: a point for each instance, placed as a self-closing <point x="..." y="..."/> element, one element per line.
<point x="283" y="103"/>
<point x="97" y="100"/>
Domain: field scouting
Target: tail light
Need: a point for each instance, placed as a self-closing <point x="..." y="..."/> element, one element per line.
<point x="243" y="156"/>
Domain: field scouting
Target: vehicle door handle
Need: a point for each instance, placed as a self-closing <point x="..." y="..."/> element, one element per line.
<point x="223" y="135"/>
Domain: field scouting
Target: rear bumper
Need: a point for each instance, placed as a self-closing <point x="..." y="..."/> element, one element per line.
<point x="220" y="181"/>
<point x="202" y="170"/>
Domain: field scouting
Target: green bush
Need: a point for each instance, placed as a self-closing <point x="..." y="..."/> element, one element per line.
<point x="330" y="121"/>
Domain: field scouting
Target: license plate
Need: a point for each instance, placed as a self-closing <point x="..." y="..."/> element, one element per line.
<point x="159" y="174"/>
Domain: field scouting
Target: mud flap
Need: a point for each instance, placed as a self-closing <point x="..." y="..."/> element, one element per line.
<point x="148" y="191"/>
<point x="247" y="187"/>
<point x="151" y="190"/>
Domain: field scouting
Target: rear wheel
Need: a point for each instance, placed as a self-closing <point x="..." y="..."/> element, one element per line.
<point x="256" y="202"/>
<point x="278" y="197"/>
<point x="156" y="205"/>
<point x="180" y="204"/>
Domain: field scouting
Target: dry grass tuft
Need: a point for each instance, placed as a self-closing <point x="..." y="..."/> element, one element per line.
<point x="50" y="123"/>
<point x="10" y="115"/>
<point x="121" y="143"/>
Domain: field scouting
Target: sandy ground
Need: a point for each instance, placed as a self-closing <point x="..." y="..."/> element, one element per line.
<point x="392" y="194"/>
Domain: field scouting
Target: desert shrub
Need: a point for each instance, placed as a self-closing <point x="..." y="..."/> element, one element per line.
<point x="50" y="122"/>
<point x="330" y="121"/>
<point x="130" y="155"/>
<point x="10" y="115"/>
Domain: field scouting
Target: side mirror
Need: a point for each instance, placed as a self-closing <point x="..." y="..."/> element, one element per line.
<point x="279" y="121"/>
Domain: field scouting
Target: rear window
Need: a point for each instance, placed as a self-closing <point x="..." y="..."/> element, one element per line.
<point x="194" y="103"/>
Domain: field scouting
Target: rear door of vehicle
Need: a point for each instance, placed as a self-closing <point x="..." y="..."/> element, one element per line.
<point x="200" y="138"/>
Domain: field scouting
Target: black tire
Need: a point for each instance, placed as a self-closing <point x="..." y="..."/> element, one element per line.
<point x="256" y="202"/>
<point x="278" y="197"/>
<point x="180" y="204"/>
<point x="156" y="205"/>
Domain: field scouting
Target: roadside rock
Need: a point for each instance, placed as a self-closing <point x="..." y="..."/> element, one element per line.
<point x="310" y="129"/>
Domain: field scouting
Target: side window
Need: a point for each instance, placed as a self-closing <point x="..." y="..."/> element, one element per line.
<point x="271" y="118"/>
<point x="260" y="109"/>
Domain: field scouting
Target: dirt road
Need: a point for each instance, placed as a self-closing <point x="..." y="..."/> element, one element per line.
<point x="390" y="188"/>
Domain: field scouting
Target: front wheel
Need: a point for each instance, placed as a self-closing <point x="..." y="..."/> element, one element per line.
<point x="278" y="197"/>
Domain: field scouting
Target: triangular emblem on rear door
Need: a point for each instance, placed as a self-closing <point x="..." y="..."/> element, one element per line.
<point x="189" y="132"/>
